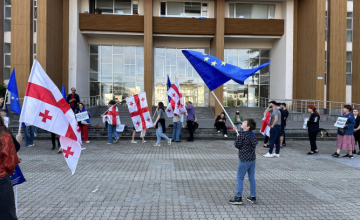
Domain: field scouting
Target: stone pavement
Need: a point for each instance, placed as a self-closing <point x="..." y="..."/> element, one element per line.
<point x="186" y="181"/>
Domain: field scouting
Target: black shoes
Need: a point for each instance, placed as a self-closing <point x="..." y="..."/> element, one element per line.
<point x="53" y="148"/>
<point x="335" y="155"/>
<point x="236" y="201"/>
<point x="251" y="199"/>
<point x="347" y="155"/>
<point x="351" y="156"/>
<point x="190" y="140"/>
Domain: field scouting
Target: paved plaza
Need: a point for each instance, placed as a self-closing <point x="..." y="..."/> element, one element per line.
<point x="186" y="181"/>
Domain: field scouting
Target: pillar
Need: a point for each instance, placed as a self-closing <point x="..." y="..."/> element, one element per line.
<point x="148" y="52"/>
<point x="217" y="49"/>
<point x="336" y="52"/>
<point x="21" y="41"/>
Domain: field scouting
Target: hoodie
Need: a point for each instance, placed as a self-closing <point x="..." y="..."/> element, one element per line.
<point x="246" y="143"/>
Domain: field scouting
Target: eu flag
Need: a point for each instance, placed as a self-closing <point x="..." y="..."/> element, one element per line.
<point x="63" y="91"/>
<point x="168" y="87"/>
<point x="14" y="97"/>
<point x="17" y="177"/>
<point x="216" y="72"/>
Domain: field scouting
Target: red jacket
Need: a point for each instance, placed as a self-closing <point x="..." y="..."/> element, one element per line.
<point x="8" y="155"/>
<point x="265" y="122"/>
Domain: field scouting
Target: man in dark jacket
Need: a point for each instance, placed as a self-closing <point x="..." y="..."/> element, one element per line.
<point x="73" y="99"/>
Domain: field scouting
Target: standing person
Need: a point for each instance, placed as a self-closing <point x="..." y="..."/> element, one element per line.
<point x="113" y="119"/>
<point x="73" y="99"/>
<point x="313" y="128"/>
<point x="160" y="125"/>
<point x="83" y="124"/>
<point x="265" y="126"/>
<point x="190" y="120"/>
<point x="275" y="123"/>
<point x="220" y="123"/>
<point x="8" y="161"/>
<point x="346" y="141"/>
<point x="237" y="120"/>
<point x="53" y="137"/>
<point x="246" y="143"/>
<point x="284" y="116"/>
<point x="356" y="130"/>
<point x="29" y="135"/>
<point x="176" y="127"/>
<point x="142" y="135"/>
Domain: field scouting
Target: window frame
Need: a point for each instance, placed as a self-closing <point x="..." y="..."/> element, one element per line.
<point x="268" y="10"/>
<point x="4" y="59"/>
<point x="201" y="9"/>
<point x="113" y="12"/>
<point x="352" y="25"/>
<point x="350" y="62"/>
<point x="6" y="18"/>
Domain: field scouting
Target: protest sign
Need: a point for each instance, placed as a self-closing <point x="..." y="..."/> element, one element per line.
<point x="340" y="122"/>
<point x="305" y="123"/>
<point x="82" y="116"/>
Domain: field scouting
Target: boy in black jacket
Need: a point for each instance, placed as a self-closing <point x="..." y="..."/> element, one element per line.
<point x="246" y="143"/>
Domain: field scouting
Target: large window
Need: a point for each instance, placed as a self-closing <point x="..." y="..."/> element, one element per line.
<point x="348" y="68"/>
<point x="254" y="11"/>
<point x="254" y="87"/>
<point x="172" y="62"/>
<point x="183" y="9"/>
<point x="7" y="15"/>
<point x="7" y="61"/>
<point x="349" y="27"/>
<point x="119" y="7"/>
<point x="116" y="72"/>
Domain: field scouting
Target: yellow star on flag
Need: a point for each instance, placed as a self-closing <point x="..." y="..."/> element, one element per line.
<point x="17" y="98"/>
<point x="12" y="97"/>
<point x="206" y="58"/>
<point x="213" y="63"/>
<point x="223" y="63"/>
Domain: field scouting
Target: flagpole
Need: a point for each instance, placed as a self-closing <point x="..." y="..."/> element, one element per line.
<point x="225" y="111"/>
<point x="7" y="91"/>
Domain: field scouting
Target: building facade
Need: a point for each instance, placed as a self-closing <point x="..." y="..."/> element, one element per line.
<point x="112" y="49"/>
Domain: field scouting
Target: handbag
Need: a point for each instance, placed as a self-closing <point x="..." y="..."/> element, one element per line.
<point x="341" y="131"/>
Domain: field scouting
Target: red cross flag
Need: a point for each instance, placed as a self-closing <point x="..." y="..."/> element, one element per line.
<point x="139" y="111"/>
<point x="112" y="116"/>
<point x="45" y="108"/>
<point x="177" y="101"/>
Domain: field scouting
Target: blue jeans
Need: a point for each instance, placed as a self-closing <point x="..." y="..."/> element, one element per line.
<point x="243" y="168"/>
<point x="239" y="127"/>
<point x="29" y="135"/>
<point x="176" y="131"/>
<point x="111" y="131"/>
<point x="275" y="139"/>
<point x="160" y="134"/>
<point x="35" y="130"/>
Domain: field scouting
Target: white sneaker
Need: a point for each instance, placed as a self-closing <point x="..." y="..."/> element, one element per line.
<point x="169" y="141"/>
<point x="225" y="135"/>
<point x="218" y="131"/>
<point x="87" y="142"/>
<point x="157" y="145"/>
<point x="268" y="155"/>
<point x="32" y="145"/>
<point x="276" y="155"/>
<point x="83" y="148"/>
<point x="144" y="141"/>
<point x="117" y="140"/>
<point x="109" y="143"/>
<point x="133" y="142"/>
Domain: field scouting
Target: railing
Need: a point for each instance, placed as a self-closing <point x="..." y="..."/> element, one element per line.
<point x="301" y="106"/>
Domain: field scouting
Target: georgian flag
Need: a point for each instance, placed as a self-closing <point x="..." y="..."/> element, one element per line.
<point x="112" y="116"/>
<point x="139" y="111"/>
<point x="176" y="104"/>
<point x="45" y="108"/>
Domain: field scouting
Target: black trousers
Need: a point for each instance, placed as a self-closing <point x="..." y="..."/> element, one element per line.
<point x="53" y="136"/>
<point x="312" y="138"/>
<point x="357" y="139"/>
<point x="7" y="199"/>
<point x="266" y="141"/>
<point x="220" y="125"/>
<point x="191" y="129"/>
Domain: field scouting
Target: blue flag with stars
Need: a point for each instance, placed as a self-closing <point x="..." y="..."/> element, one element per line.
<point x="168" y="87"/>
<point x="63" y="91"/>
<point x="216" y="72"/>
<point x="14" y="96"/>
<point x="17" y="177"/>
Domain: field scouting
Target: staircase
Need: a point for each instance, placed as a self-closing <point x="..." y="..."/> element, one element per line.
<point x="250" y="112"/>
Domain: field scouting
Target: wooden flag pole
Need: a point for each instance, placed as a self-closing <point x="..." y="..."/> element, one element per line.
<point x="237" y="132"/>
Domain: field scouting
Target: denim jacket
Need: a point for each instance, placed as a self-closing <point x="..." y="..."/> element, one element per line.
<point x="350" y="123"/>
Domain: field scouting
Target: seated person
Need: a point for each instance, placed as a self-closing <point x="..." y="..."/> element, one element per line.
<point x="220" y="123"/>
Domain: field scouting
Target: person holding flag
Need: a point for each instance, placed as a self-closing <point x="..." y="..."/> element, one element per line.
<point x="113" y="119"/>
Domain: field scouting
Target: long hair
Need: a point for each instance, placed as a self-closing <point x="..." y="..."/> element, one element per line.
<point x="78" y="107"/>
<point x="268" y="110"/>
<point x="2" y="126"/>
<point x="161" y="106"/>
<point x="313" y="107"/>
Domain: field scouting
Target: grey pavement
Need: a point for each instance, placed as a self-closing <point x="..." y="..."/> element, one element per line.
<point x="186" y="181"/>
